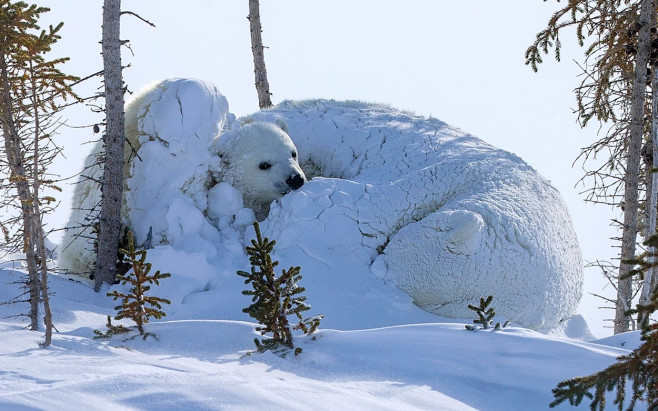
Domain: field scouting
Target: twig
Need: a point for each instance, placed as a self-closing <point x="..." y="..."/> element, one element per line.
<point x="139" y="17"/>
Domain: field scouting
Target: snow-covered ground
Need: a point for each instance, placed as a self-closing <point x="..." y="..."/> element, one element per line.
<point x="197" y="361"/>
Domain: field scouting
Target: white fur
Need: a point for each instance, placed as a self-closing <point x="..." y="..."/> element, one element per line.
<point x="76" y="252"/>
<point x="244" y="149"/>
<point x="439" y="213"/>
<point x="174" y="125"/>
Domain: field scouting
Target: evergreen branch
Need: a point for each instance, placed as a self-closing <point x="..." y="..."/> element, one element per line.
<point x="485" y="315"/>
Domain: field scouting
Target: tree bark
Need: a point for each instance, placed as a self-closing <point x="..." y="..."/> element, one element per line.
<point x="629" y="234"/>
<point x="647" y="285"/>
<point x="262" y="85"/>
<point x="37" y="223"/>
<point x="114" y="138"/>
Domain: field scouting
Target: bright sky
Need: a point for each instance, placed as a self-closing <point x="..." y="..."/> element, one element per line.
<point x="462" y="62"/>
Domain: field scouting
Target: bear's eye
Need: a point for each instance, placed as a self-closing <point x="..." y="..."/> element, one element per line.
<point x="264" y="165"/>
<point x="294" y="154"/>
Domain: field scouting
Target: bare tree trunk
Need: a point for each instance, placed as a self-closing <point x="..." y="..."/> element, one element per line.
<point x="37" y="223"/>
<point x="47" y="314"/>
<point x="262" y="85"/>
<point x="629" y="235"/>
<point x="645" y="294"/>
<point x="15" y="159"/>
<point x="112" y="185"/>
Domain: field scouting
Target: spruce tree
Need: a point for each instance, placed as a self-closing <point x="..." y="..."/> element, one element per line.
<point x="618" y="61"/>
<point x="485" y="314"/>
<point x="137" y="305"/>
<point x="275" y="298"/>
<point x="260" y="72"/>
<point x="32" y="90"/>
<point x="114" y="140"/>
<point x="640" y="367"/>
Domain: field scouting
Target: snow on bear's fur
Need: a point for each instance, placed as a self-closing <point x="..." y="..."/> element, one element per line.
<point x="437" y="212"/>
<point x="396" y="198"/>
<point x="260" y="159"/>
<point x="174" y="125"/>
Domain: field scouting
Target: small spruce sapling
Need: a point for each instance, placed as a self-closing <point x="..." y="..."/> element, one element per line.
<point x="485" y="315"/>
<point x="136" y="305"/>
<point x="275" y="298"/>
<point x="111" y="330"/>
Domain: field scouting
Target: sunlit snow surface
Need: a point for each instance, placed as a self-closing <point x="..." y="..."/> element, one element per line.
<point x="197" y="360"/>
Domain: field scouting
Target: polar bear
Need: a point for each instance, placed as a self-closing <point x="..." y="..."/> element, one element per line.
<point x="176" y="153"/>
<point x="261" y="160"/>
<point x="423" y="206"/>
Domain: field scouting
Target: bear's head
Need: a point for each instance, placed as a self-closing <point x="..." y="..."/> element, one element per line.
<point x="260" y="160"/>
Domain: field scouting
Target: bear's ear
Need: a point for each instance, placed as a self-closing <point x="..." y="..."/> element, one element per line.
<point x="282" y="125"/>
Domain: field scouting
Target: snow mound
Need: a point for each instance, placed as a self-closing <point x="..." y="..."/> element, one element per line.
<point x="169" y="127"/>
<point x="198" y="363"/>
<point x="176" y="122"/>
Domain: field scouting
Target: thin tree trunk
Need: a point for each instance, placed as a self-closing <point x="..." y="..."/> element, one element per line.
<point x="262" y="85"/>
<point x="645" y="295"/>
<point x="112" y="186"/>
<point x="47" y="314"/>
<point x="15" y="159"/>
<point x="37" y="223"/>
<point x="629" y="235"/>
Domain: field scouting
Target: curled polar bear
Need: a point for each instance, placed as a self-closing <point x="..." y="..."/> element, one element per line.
<point x="175" y="125"/>
<point x="439" y="213"/>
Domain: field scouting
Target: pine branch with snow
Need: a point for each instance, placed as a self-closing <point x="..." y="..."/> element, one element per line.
<point x="485" y="314"/>
<point x="275" y="298"/>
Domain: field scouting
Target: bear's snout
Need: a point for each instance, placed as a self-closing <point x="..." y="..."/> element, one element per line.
<point x="295" y="181"/>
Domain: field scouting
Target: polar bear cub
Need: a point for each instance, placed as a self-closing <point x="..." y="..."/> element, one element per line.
<point x="260" y="160"/>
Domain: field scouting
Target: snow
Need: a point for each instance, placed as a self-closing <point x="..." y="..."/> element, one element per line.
<point x="197" y="361"/>
<point x="177" y="121"/>
<point x="375" y="348"/>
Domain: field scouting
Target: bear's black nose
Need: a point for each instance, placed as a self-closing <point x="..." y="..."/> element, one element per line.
<point x="295" y="181"/>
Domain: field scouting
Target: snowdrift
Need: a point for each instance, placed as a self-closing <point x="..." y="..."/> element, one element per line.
<point x="198" y="363"/>
<point x="387" y="188"/>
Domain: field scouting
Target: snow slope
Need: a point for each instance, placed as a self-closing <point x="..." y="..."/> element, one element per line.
<point x="197" y="361"/>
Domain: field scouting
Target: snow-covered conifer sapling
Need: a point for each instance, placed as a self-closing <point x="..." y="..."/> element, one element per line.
<point x="486" y="315"/>
<point x="136" y="305"/>
<point x="275" y="298"/>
